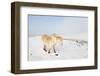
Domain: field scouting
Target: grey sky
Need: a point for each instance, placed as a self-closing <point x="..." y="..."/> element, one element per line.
<point x="66" y="25"/>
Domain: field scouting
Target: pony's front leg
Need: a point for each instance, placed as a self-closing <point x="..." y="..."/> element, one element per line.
<point x="44" y="48"/>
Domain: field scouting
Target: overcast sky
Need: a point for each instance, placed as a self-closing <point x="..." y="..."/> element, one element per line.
<point x="67" y="25"/>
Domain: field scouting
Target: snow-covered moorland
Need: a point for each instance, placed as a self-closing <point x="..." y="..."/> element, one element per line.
<point x="74" y="47"/>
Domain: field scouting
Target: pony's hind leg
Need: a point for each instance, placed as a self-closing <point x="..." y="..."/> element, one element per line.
<point x="49" y="51"/>
<point x="55" y="51"/>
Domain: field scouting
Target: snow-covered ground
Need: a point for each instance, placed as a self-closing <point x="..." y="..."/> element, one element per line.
<point x="74" y="47"/>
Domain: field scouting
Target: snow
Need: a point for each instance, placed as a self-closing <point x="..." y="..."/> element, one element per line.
<point x="82" y="36"/>
<point x="69" y="50"/>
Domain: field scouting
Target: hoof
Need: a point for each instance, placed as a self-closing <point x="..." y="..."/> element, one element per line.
<point x="48" y="52"/>
<point x="45" y="50"/>
<point x="56" y="54"/>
